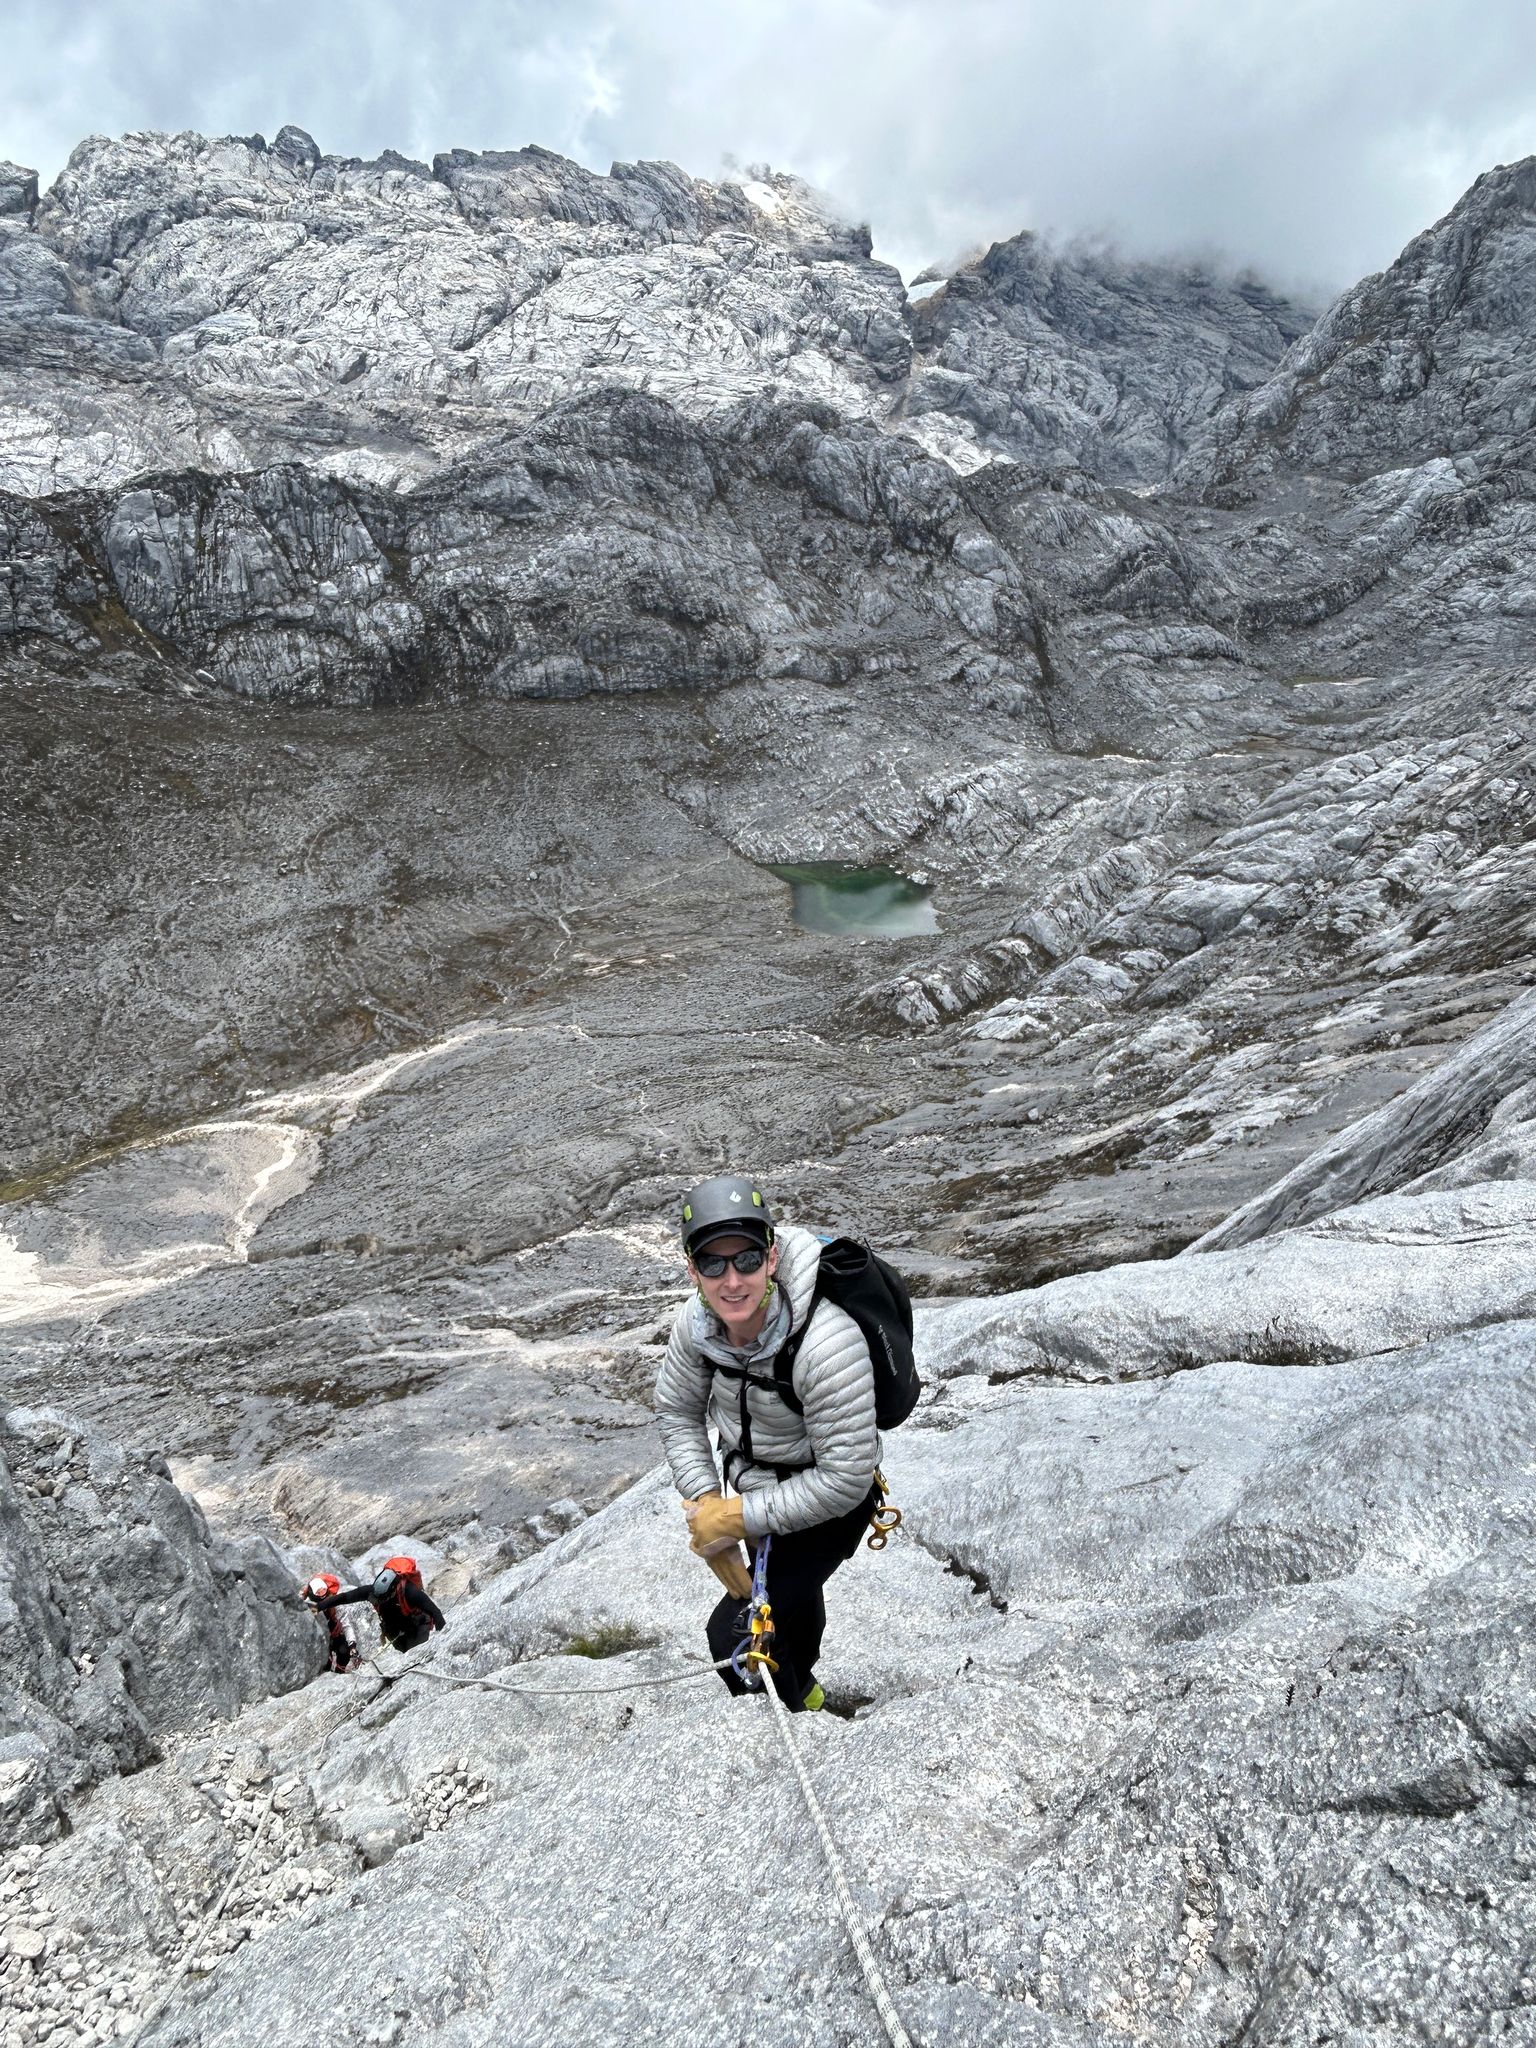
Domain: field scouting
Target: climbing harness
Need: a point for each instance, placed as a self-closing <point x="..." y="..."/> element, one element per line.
<point x="884" y="1520"/>
<point x="858" y="1935"/>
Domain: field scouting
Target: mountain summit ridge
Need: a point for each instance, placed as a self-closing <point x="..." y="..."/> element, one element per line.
<point x="408" y="306"/>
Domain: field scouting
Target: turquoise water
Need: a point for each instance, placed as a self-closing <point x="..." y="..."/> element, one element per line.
<point x="864" y="902"/>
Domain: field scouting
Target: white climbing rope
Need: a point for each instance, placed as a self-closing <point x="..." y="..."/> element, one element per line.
<point x="215" y="1912"/>
<point x="569" y="1692"/>
<point x="189" y="1954"/>
<point x="896" y="2033"/>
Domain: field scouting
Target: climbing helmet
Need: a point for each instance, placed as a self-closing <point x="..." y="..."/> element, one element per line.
<point x="731" y="1205"/>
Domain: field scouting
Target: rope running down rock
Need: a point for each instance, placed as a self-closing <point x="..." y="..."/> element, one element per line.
<point x="189" y="1955"/>
<point x="895" y="2032"/>
<point x="209" y="1919"/>
<point x="757" y="1654"/>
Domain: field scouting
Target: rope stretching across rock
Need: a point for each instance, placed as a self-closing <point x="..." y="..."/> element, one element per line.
<point x="895" y="2032"/>
<point x="547" y="1692"/>
<point x="858" y="1935"/>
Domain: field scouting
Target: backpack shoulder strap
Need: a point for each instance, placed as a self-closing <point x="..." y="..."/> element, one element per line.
<point x="784" y="1358"/>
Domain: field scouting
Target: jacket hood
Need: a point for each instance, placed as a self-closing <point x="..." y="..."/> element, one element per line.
<point x="799" y="1260"/>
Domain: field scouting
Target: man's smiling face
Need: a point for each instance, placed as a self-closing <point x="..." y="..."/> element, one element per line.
<point x="735" y="1297"/>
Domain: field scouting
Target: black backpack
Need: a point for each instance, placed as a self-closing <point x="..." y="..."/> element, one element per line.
<point x="863" y="1286"/>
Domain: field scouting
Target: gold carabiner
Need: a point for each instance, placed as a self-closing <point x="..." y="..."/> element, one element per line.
<point x="762" y="1635"/>
<point x="884" y="1520"/>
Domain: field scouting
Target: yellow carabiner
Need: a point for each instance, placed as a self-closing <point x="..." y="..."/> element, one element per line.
<point x="884" y="1518"/>
<point x="762" y="1634"/>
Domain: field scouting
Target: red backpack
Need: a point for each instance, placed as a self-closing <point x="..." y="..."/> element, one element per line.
<point x="407" y="1573"/>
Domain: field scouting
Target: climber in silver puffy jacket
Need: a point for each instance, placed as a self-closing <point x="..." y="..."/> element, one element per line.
<point x="807" y="1480"/>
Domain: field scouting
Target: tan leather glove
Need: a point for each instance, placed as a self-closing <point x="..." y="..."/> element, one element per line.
<point x="714" y="1523"/>
<point x="732" y="1574"/>
<point x="716" y="1543"/>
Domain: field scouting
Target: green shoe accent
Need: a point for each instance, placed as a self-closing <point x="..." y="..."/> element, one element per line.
<point x="813" y="1699"/>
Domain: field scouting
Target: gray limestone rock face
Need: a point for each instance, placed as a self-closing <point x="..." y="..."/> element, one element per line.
<point x="1423" y="1129"/>
<point x="614" y="546"/>
<point x="122" y="1619"/>
<point x="1377" y="1276"/>
<point x="384" y="317"/>
<point x="1383" y="472"/>
<point x="1072" y="356"/>
<point x="1409" y="365"/>
<point x="18" y="191"/>
<point x="353" y="1062"/>
<point x="1383" y="857"/>
<point x="1175" y="1710"/>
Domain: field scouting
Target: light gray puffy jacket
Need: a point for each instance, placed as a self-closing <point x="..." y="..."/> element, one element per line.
<point x="835" y="1440"/>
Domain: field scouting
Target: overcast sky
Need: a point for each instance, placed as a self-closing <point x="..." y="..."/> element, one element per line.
<point x="1307" y="140"/>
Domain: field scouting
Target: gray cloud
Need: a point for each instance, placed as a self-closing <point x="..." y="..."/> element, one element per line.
<point x="1308" y="139"/>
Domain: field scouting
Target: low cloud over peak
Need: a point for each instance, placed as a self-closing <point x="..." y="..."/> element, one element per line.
<point x="1303" y="141"/>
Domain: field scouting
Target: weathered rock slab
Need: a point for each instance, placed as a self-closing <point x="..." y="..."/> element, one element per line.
<point x="123" y="1619"/>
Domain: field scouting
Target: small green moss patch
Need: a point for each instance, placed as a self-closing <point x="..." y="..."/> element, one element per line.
<point x="611" y="1640"/>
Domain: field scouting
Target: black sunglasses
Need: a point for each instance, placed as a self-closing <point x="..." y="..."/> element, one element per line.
<point x="713" y="1264"/>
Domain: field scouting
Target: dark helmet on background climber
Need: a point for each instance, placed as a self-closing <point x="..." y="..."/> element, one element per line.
<point x="732" y="1205"/>
<point x="385" y="1583"/>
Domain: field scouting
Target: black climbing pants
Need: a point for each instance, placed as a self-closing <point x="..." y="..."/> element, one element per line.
<point x="799" y="1565"/>
<point x="405" y="1632"/>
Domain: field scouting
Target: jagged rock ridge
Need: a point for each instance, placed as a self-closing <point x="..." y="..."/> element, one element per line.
<point x="1075" y="359"/>
<point x="179" y="305"/>
<point x="221" y="305"/>
<point x="612" y="546"/>
<point x="218" y="304"/>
